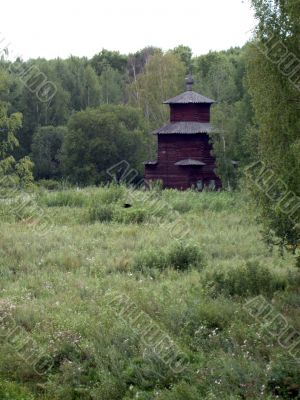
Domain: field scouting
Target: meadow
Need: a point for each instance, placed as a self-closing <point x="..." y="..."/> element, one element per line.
<point x="84" y="280"/>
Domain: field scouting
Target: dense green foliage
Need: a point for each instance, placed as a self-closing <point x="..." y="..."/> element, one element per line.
<point x="221" y="76"/>
<point x="99" y="138"/>
<point x="143" y="80"/>
<point x="273" y="79"/>
<point x="19" y="172"/>
<point x="46" y="148"/>
<point x="163" y="76"/>
<point x="59" y="289"/>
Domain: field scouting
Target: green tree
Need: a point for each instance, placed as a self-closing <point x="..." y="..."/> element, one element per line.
<point x="46" y="146"/>
<point x="112" y="59"/>
<point x="90" y="92"/>
<point x="79" y="79"/>
<point x="221" y="76"/>
<point x="273" y="75"/>
<point x="9" y="124"/>
<point x="36" y="112"/>
<point x="21" y="171"/>
<point x="215" y="75"/>
<point x="99" y="138"/>
<point x="163" y="77"/>
<point x="112" y="87"/>
<point x="138" y="60"/>
<point x="184" y="53"/>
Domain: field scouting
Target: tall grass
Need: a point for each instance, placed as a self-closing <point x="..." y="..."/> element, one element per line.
<point x="180" y="256"/>
<point x="192" y="288"/>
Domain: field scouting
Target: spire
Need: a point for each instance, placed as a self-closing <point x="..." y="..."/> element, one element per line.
<point x="189" y="82"/>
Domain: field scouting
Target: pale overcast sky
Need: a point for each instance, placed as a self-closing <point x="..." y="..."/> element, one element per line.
<point x="59" y="28"/>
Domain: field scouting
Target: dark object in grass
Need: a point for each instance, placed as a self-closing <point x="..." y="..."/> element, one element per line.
<point x="126" y="205"/>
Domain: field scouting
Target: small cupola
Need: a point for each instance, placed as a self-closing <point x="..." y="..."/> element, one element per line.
<point x="190" y="106"/>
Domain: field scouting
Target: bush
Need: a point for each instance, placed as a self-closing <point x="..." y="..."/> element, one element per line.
<point x="102" y="207"/>
<point x="132" y="215"/>
<point x="209" y="314"/>
<point x="150" y="259"/>
<point x="183" y="256"/>
<point x="179" y="256"/>
<point x="182" y="206"/>
<point x="249" y="280"/>
<point x="101" y="213"/>
<point x="109" y="212"/>
<point x="110" y="194"/>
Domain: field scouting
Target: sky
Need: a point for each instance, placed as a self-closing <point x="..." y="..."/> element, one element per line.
<point x="60" y="28"/>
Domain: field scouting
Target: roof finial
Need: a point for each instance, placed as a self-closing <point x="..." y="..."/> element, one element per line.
<point x="189" y="82"/>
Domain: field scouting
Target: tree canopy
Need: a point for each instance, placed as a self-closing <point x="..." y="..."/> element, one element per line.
<point x="272" y="74"/>
<point x="98" y="138"/>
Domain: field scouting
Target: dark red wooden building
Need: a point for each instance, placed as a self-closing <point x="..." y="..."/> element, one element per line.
<point x="184" y="151"/>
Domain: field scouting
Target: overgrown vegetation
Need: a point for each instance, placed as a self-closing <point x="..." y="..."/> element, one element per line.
<point x="187" y="263"/>
<point x="54" y="288"/>
<point x="273" y="81"/>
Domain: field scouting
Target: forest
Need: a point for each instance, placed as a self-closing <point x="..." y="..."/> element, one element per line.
<point x="109" y="291"/>
<point x="124" y="94"/>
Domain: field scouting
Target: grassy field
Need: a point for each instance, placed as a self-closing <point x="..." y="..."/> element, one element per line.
<point x="152" y="301"/>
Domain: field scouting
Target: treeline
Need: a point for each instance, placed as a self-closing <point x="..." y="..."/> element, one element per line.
<point x="104" y="108"/>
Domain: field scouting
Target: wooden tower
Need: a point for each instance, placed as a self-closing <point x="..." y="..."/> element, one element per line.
<point x="184" y="151"/>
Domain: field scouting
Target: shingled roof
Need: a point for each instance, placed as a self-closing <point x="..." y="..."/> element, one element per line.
<point x="185" y="127"/>
<point x="189" y="97"/>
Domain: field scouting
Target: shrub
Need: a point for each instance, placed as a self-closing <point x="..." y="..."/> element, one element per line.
<point x="183" y="256"/>
<point x="203" y="315"/>
<point x="101" y="213"/>
<point x="109" y="212"/>
<point x="179" y="256"/>
<point x="133" y="215"/>
<point x="150" y="259"/>
<point x="249" y="280"/>
<point x="110" y="194"/>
